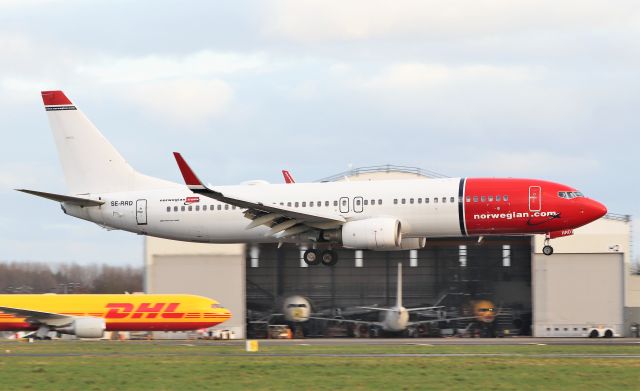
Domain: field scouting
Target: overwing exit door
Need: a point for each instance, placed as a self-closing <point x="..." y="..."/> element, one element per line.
<point x="141" y="212"/>
<point x="535" y="198"/>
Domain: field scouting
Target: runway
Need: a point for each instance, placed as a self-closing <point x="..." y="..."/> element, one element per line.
<point x="514" y="341"/>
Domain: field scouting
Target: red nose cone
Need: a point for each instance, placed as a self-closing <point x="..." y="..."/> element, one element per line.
<point x="595" y="210"/>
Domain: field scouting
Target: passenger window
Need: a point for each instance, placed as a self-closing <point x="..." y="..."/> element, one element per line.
<point x="411" y="200"/>
<point x="498" y="198"/>
<point x="444" y="199"/>
<point x="335" y="203"/>
<point x="358" y="202"/>
<point x="233" y="207"/>
<point x="311" y="204"/>
<point x="490" y="198"/>
<point x="468" y="198"/>
<point x="344" y="202"/>
<point x="182" y="208"/>
<point x="219" y="207"/>
<point x="326" y="203"/>
<point x="483" y="198"/>
<point x="175" y="208"/>
<point x="296" y="204"/>
<point x="226" y="207"/>
<point x="197" y="208"/>
<point x="475" y="198"/>
<point x="379" y="202"/>
<point x="452" y="199"/>
<point x="168" y="209"/>
<point x="304" y="204"/>
<point x="404" y="201"/>
<point x="190" y="208"/>
<point x="366" y="202"/>
<point x="506" y="198"/>
<point x="282" y="204"/>
<point x="288" y="203"/>
<point x="319" y="203"/>
<point x="435" y="200"/>
<point x="395" y="200"/>
<point x="204" y="207"/>
<point x="373" y="202"/>
<point x="419" y="200"/>
<point x="426" y="200"/>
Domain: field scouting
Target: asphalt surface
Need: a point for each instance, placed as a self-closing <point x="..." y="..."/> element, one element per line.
<point x="7" y="351"/>
<point x="513" y="341"/>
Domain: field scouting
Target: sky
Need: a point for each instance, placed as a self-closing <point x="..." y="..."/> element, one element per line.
<point x="496" y="88"/>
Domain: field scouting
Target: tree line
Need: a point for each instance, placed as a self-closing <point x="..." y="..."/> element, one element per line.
<point x="40" y="277"/>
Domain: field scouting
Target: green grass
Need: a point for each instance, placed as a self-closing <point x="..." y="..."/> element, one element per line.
<point x="155" y="365"/>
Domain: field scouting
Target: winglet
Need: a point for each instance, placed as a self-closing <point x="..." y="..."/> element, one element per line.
<point x="189" y="177"/>
<point x="55" y="98"/>
<point x="287" y="177"/>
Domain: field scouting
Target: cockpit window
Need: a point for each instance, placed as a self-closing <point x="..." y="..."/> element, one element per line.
<point x="569" y="194"/>
<point x="216" y="305"/>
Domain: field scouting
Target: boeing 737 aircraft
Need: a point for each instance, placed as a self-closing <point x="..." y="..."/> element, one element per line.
<point x="374" y="215"/>
<point x="88" y="316"/>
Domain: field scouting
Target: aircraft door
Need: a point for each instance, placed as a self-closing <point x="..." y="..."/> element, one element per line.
<point x="535" y="198"/>
<point x="344" y="204"/>
<point x="141" y="212"/>
<point x="358" y="204"/>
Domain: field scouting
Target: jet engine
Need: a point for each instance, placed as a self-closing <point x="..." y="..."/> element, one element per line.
<point x="381" y="233"/>
<point x="84" y="327"/>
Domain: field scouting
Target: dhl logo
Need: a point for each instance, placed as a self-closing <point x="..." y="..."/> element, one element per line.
<point x="151" y="310"/>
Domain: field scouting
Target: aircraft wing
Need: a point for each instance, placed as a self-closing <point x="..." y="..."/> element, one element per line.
<point x="63" y="198"/>
<point x="279" y="218"/>
<point x="368" y="323"/>
<point x="425" y="308"/>
<point x="39" y="317"/>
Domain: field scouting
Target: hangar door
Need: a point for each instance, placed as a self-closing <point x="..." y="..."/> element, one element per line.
<point x="573" y="293"/>
<point x="220" y="277"/>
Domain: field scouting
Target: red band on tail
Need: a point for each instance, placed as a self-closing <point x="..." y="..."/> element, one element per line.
<point x="189" y="177"/>
<point x="55" y="98"/>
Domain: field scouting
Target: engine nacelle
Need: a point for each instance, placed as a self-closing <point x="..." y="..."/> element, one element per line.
<point x="85" y="327"/>
<point x="407" y="244"/>
<point x="372" y="234"/>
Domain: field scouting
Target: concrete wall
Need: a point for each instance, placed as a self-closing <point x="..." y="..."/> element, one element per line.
<point x="215" y="271"/>
<point x="575" y="293"/>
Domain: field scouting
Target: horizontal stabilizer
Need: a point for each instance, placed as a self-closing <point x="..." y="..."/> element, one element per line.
<point x="63" y="198"/>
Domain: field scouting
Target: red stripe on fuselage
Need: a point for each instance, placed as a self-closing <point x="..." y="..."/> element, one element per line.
<point x="532" y="206"/>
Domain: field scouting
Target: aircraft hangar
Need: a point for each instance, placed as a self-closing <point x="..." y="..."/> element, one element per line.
<point x="586" y="285"/>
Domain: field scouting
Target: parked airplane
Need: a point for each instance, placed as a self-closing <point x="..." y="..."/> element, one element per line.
<point x="88" y="316"/>
<point x="394" y="319"/>
<point x="368" y="215"/>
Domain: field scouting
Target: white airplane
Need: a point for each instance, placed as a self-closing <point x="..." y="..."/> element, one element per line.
<point x="377" y="215"/>
<point x="394" y="319"/>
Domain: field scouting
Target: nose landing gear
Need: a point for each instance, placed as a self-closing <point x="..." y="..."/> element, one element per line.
<point x="547" y="249"/>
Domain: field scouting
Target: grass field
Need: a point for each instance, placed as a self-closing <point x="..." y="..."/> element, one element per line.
<point x="110" y="365"/>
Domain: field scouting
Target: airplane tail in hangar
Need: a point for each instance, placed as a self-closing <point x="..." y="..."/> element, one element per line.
<point x="89" y="161"/>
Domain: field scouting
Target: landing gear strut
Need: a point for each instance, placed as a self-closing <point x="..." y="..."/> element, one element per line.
<point x="547" y="249"/>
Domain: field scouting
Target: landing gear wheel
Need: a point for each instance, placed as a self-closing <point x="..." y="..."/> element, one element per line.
<point x="311" y="257"/>
<point x="547" y="250"/>
<point x="329" y="258"/>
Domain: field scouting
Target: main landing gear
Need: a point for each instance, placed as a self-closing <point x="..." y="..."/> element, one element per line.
<point x="314" y="257"/>
<point x="547" y="249"/>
